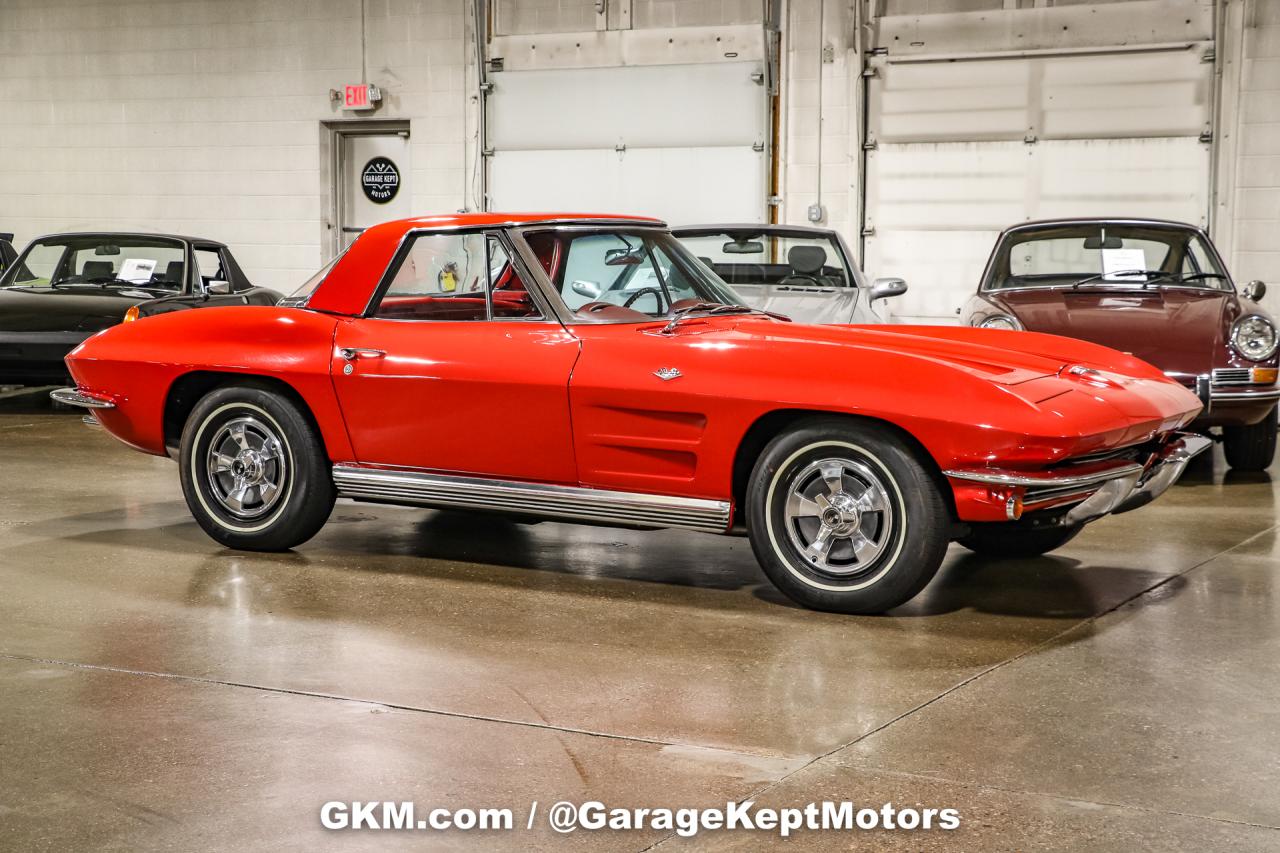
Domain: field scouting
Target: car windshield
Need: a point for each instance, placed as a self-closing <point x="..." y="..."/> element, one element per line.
<point x="627" y="274"/>
<point x="1107" y="255"/>
<point x="99" y="261"/>
<point x="770" y="257"/>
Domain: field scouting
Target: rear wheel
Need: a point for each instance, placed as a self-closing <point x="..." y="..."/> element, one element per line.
<point x="1014" y="539"/>
<point x="254" y="471"/>
<point x="1253" y="447"/>
<point x="844" y="517"/>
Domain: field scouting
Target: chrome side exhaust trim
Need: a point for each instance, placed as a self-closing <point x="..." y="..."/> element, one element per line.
<point x="571" y="503"/>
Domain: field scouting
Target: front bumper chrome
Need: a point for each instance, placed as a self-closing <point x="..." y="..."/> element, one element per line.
<point x="83" y="399"/>
<point x="1117" y="488"/>
<point x="1245" y="394"/>
<point x="1157" y="479"/>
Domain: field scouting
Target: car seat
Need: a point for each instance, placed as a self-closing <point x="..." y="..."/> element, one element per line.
<point x="97" y="269"/>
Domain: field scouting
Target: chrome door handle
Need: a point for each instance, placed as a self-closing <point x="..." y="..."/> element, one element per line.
<point x="352" y="353"/>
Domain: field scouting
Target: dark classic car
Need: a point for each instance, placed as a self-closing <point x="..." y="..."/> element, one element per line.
<point x="805" y="273"/>
<point x="65" y="287"/>
<point x="1154" y="289"/>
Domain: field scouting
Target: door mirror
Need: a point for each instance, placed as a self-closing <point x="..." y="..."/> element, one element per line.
<point x="589" y="289"/>
<point x="218" y="288"/>
<point x="883" y="288"/>
<point x="1254" y="290"/>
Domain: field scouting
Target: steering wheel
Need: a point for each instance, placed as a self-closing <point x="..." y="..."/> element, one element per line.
<point x="801" y="278"/>
<point x="656" y="291"/>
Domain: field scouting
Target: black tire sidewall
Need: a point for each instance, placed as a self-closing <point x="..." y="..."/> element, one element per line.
<point x="919" y="536"/>
<point x="1010" y="539"/>
<point x="1253" y="447"/>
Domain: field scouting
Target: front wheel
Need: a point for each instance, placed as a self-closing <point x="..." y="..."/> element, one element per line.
<point x="843" y="516"/>
<point x="1015" y="539"/>
<point x="1253" y="447"/>
<point x="254" y="471"/>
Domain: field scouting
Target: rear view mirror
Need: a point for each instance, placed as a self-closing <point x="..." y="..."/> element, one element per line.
<point x="753" y="247"/>
<point x="1100" y="242"/>
<point x="218" y="288"/>
<point x="107" y="249"/>
<point x="1254" y="290"/>
<point x="883" y="288"/>
<point x="621" y="258"/>
<point x="589" y="289"/>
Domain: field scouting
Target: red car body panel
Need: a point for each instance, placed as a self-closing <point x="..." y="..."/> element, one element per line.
<point x="583" y="405"/>
<point x="488" y="399"/>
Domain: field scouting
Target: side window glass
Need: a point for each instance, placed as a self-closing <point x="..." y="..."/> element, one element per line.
<point x="457" y="277"/>
<point x="440" y="277"/>
<point x="210" y="266"/>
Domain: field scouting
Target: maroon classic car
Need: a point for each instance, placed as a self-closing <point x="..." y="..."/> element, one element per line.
<point x="1157" y="290"/>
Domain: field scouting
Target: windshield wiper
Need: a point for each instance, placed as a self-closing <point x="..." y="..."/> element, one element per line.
<point x="1150" y="276"/>
<point x="1201" y="276"/>
<point x="710" y="308"/>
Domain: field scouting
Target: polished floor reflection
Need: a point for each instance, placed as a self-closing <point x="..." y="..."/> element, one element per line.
<point x="159" y="692"/>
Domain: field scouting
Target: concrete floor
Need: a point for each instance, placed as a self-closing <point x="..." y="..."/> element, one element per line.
<point x="158" y="692"/>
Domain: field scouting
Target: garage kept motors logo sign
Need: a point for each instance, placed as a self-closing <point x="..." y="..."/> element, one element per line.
<point x="380" y="180"/>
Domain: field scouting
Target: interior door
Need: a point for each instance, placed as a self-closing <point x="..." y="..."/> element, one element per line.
<point x="432" y="381"/>
<point x="374" y="174"/>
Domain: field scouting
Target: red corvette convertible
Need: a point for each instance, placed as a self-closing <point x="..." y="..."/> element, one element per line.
<point x="591" y="369"/>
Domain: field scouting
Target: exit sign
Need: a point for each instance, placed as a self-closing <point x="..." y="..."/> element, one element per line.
<point x="360" y="96"/>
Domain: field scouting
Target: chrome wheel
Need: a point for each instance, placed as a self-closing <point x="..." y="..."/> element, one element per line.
<point x="246" y="467"/>
<point x="838" y="516"/>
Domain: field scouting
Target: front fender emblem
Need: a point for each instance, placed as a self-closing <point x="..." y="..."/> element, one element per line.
<point x="666" y="374"/>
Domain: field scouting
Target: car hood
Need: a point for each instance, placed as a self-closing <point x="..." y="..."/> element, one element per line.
<point x="1044" y="394"/>
<point x="65" y="309"/>
<point x="991" y="361"/>
<point x="1179" y="330"/>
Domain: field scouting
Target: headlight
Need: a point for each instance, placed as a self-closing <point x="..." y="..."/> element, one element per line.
<point x="1254" y="337"/>
<point x="1001" y="321"/>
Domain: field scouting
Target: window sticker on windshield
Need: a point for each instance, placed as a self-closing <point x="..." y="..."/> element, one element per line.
<point x="1116" y="261"/>
<point x="137" y="270"/>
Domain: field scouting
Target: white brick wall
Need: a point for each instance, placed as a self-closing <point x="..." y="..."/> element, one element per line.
<point x="203" y="116"/>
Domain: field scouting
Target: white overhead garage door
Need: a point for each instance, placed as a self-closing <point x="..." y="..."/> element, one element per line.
<point x="685" y="143"/>
<point x="959" y="150"/>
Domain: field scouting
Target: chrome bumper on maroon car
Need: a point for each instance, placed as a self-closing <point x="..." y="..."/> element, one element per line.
<point x="1118" y="488"/>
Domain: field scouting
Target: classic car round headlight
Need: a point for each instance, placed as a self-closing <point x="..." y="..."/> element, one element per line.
<point x="1001" y="321"/>
<point x="1254" y="337"/>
